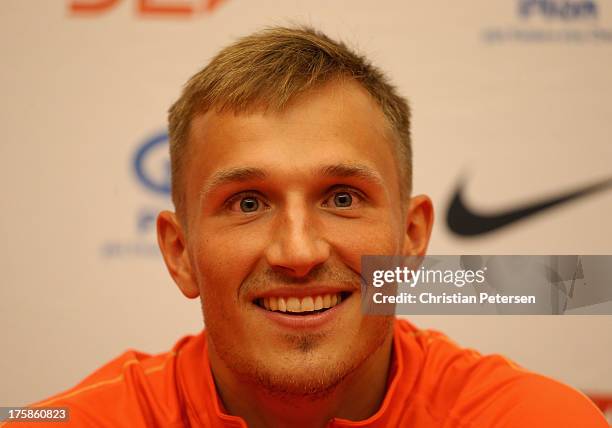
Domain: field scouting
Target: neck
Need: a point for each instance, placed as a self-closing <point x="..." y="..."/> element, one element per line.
<point x="357" y="397"/>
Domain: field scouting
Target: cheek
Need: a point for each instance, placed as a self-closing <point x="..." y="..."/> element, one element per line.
<point x="223" y="261"/>
<point x="382" y="236"/>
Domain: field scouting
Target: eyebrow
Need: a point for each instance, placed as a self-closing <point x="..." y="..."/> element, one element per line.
<point x="351" y="170"/>
<point x="245" y="174"/>
<point x="232" y="175"/>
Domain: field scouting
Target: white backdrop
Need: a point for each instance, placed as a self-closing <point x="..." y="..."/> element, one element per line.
<point x="519" y="104"/>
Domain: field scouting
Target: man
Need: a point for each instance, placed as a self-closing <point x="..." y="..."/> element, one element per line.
<point x="291" y="159"/>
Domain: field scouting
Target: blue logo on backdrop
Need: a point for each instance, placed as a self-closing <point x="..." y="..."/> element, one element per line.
<point x="152" y="164"/>
<point x="558" y="9"/>
<point x="553" y="21"/>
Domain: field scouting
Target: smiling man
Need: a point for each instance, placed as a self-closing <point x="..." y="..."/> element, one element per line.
<point x="286" y="171"/>
<point x="291" y="159"/>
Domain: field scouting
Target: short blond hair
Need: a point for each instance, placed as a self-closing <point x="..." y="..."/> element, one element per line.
<point x="268" y="69"/>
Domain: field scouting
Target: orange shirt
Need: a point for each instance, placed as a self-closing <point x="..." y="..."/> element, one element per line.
<point x="433" y="383"/>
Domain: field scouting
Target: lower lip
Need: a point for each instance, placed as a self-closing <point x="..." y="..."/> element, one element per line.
<point x="305" y="322"/>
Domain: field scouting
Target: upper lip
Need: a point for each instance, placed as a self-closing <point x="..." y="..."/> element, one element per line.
<point x="302" y="291"/>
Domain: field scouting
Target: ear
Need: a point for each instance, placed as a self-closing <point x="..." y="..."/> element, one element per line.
<point x="171" y="241"/>
<point x="419" y="221"/>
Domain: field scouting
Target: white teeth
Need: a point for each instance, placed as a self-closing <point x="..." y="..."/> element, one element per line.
<point x="318" y="303"/>
<point x="273" y="303"/>
<point x="293" y="305"/>
<point x="327" y="301"/>
<point x="306" y="304"/>
<point x="334" y="300"/>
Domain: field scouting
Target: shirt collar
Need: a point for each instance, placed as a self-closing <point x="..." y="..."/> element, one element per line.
<point x="204" y="408"/>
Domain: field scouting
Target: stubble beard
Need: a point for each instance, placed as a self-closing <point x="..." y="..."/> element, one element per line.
<point x="304" y="370"/>
<point x="304" y="365"/>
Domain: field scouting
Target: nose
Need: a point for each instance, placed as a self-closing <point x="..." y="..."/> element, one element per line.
<point x="296" y="246"/>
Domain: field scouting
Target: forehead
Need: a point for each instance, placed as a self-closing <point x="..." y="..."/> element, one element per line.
<point x="336" y="123"/>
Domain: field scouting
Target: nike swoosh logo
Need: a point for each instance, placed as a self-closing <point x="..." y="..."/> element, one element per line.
<point x="464" y="221"/>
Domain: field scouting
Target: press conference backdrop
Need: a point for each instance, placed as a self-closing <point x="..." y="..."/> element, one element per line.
<point x="512" y="105"/>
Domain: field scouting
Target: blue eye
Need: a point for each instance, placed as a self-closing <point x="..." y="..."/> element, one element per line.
<point x="343" y="200"/>
<point x="249" y="204"/>
<point x="245" y="203"/>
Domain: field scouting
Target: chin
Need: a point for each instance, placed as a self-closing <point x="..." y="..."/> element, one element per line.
<point x="311" y="376"/>
<point x="301" y="365"/>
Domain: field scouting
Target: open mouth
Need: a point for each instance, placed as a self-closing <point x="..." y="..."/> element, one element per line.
<point x="307" y="305"/>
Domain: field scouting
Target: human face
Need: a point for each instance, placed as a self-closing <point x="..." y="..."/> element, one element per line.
<point x="279" y="208"/>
